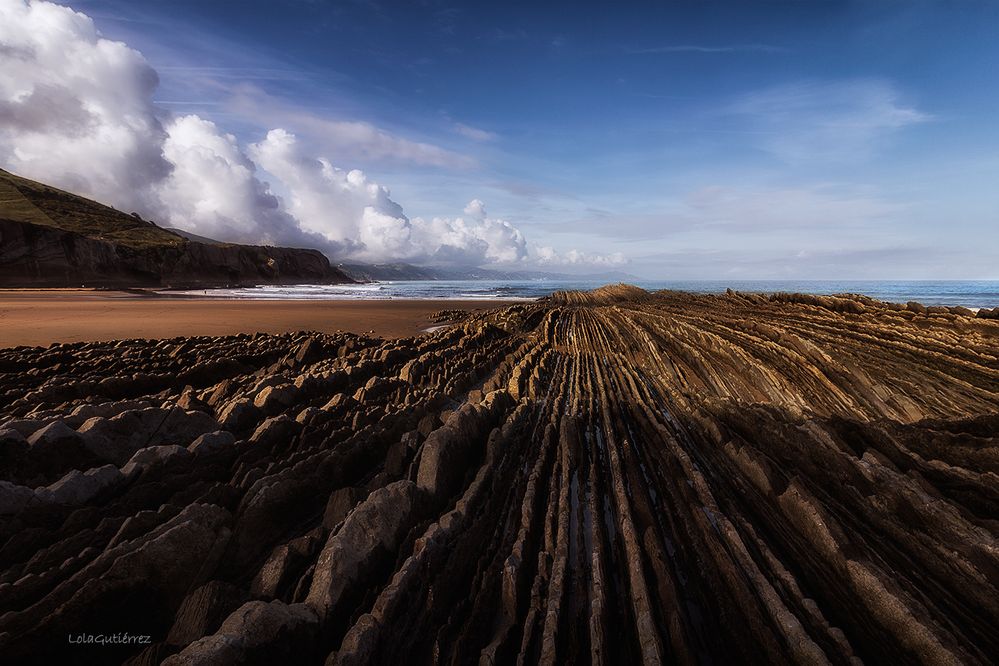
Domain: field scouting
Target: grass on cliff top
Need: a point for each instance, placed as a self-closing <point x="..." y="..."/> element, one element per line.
<point x="23" y="200"/>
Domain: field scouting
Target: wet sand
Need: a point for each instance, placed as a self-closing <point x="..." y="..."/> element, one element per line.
<point x="42" y="317"/>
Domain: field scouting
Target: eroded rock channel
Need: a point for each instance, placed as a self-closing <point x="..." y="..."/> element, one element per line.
<point x="611" y="477"/>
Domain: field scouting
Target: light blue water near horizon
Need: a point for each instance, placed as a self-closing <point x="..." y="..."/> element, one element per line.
<point x="971" y="293"/>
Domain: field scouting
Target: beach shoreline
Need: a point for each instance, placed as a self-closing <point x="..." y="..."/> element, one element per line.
<point x="40" y="317"/>
<point x="240" y="474"/>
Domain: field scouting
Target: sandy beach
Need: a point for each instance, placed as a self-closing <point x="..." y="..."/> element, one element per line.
<point x="42" y="317"/>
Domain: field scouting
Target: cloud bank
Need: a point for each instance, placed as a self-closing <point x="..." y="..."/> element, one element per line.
<point x="77" y="111"/>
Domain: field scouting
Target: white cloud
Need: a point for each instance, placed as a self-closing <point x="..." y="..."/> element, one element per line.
<point x="548" y="256"/>
<point x="826" y="121"/>
<point x="476" y="209"/>
<point x="214" y="190"/>
<point x="474" y="133"/>
<point x="349" y="209"/>
<point x="476" y="241"/>
<point x="77" y="111"/>
<point x="324" y="199"/>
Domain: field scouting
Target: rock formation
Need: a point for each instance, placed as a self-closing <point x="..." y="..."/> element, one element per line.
<point x="606" y="477"/>
<point x="51" y="238"/>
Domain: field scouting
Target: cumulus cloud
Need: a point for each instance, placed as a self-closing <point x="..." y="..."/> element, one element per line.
<point x="348" y="208"/>
<point x="472" y="241"/>
<point x="77" y="111"/>
<point x="476" y="209"/>
<point x="324" y="199"/>
<point x="214" y="190"/>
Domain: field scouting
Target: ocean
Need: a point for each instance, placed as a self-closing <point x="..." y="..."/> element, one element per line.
<point x="971" y="294"/>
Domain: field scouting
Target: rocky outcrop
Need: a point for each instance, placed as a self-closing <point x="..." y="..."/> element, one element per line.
<point x="371" y="531"/>
<point x="609" y="477"/>
<point x="606" y="295"/>
<point x="257" y="633"/>
<point x="53" y="238"/>
<point x="39" y="256"/>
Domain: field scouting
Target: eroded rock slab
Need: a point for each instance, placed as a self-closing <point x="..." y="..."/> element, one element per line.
<point x="603" y="477"/>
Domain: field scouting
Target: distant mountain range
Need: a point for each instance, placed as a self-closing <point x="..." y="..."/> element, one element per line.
<point x="402" y="272"/>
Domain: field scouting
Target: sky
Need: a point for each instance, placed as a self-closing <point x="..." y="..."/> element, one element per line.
<point x="682" y="140"/>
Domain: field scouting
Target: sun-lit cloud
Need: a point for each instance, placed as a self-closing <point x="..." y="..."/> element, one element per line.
<point x="349" y="209"/>
<point x="77" y="111"/>
<point x="214" y="190"/>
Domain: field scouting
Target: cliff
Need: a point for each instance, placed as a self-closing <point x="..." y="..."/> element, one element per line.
<point x="52" y="238"/>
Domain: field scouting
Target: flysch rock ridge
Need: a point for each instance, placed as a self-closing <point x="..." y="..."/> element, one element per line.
<point x="604" y="477"/>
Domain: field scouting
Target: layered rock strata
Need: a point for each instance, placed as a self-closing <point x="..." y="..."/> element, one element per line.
<point x="610" y="477"/>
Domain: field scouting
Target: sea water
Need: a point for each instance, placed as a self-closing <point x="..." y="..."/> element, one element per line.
<point x="971" y="294"/>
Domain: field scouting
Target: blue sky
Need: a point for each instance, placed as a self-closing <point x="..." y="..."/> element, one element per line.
<point x="695" y="140"/>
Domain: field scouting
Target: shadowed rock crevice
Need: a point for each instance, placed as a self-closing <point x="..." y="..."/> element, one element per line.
<point x="602" y="477"/>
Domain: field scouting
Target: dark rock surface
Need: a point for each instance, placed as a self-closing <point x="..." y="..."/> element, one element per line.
<point x="53" y="238"/>
<point x="38" y="256"/>
<point x="609" y="477"/>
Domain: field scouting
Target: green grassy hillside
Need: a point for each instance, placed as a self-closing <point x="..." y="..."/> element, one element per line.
<point x="24" y="200"/>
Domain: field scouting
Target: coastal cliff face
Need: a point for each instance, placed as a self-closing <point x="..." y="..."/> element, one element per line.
<point x="38" y="256"/>
<point x="53" y="238"/>
<point x="606" y="477"/>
